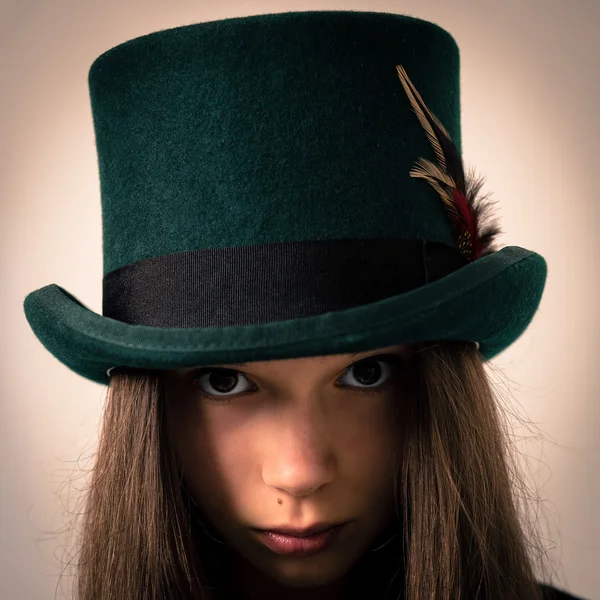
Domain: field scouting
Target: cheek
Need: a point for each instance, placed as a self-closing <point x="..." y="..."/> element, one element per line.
<point x="213" y="458"/>
<point x="373" y="437"/>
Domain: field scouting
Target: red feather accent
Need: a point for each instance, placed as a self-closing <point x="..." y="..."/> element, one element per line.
<point x="459" y="193"/>
<point x="466" y="226"/>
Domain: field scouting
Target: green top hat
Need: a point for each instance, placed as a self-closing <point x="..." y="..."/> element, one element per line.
<point x="285" y="185"/>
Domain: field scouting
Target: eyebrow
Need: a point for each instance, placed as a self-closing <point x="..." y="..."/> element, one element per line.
<point x="246" y="364"/>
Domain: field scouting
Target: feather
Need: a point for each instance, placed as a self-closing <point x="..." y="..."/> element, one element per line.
<point x="459" y="193"/>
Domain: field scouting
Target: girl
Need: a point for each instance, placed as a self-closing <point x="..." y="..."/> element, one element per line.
<point x="300" y="293"/>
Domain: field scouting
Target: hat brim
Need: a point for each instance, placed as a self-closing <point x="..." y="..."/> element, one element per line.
<point x="491" y="300"/>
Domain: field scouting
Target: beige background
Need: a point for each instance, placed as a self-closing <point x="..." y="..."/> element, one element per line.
<point x="530" y="92"/>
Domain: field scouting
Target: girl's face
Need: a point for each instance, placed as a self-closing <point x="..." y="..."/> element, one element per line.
<point x="290" y="443"/>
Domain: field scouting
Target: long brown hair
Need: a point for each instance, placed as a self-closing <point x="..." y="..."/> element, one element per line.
<point x="463" y="507"/>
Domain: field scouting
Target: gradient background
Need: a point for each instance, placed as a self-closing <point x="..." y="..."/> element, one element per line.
<point x="530" y="94"/>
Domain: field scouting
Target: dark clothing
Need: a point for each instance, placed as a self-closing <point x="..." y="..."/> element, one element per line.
<point x="552" y="593"/>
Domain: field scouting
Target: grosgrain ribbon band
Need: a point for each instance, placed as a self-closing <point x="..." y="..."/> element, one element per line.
<point x="249" y="285"/>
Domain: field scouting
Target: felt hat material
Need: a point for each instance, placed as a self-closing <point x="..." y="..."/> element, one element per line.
<point x="257" y="203"/>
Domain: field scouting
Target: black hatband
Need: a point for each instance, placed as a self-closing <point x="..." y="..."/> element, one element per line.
<point x="248" y="285"/>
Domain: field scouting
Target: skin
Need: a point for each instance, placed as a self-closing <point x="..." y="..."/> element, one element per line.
<point x="291" y="448"/>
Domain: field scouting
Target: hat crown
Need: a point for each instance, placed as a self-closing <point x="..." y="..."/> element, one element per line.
<point x="273" y="128"/>
<point x="261" y="200"/>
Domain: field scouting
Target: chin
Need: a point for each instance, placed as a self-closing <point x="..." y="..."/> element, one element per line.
<point x="309" y="572"/>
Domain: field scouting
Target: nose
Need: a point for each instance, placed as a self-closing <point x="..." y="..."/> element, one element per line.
<point x="300" y="455"/>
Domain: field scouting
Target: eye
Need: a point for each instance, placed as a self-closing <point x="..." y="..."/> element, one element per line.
<point x="223" y="382"/>
<point x="373" y="373"/>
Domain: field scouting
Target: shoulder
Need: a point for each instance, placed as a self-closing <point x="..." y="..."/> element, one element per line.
<point x="552" y="593"/>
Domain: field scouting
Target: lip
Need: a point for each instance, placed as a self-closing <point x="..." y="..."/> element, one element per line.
<point x="306" y="545"/>
<point x="307" y="531"/>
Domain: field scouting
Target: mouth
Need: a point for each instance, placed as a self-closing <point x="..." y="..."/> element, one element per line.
<point x="302" y="532"/>
<point x="305" y="545"/>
